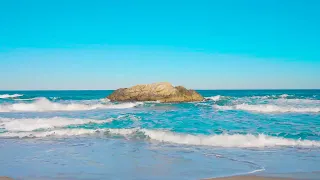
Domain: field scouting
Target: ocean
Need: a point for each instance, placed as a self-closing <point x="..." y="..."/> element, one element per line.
<point x="82" y="135"/>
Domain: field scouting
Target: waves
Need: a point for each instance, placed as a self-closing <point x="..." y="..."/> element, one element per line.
<point x="226" y="140"/>
<point x="283" y="103"/>
<point x="60" y="127"/>
<point x="31" y="124"/>
<point x="44" y="105"/>
<point x="269" y="108"/>
<point x="223" y="140"/>
<point x="53" y="133"/>
<point x="214" y="98"/>
<point x="26" y="99"/>
<point x="268" y="104"/>
<point x="185" y="123"/>
<point x="8" y="96"/>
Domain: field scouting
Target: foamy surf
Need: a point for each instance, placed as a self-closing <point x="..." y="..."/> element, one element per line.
<point x="68" y="132"/>
<point x="222" y="140"/>
<point x="45" y="123"/>
<point x="284" y="96"/>
<point x="214" y="98"/>
<point x="7" y="96"/>
<point x="53" y="133"/>
<point x="43" y="104"/>
<point x="226" y="140"/>
<point x="269" y="108"/>
<point x="27" y="99"/>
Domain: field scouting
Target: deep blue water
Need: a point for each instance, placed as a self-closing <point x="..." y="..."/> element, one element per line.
<point x="81" y="135"/>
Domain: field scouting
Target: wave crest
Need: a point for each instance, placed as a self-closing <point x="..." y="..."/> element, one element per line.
<point x="222" y="140"/>
<point x="53" y="133"/>
<point x="269" y="108"/>
<point x="43" y="104"/>
<point x="226" y="140"/>
<point x="45" y="123"/>
<point x="214" y="98"/>
<point x="7" y="96"/>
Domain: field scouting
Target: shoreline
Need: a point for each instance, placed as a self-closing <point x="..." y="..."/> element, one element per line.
<point x="315" y="175"/>
<point x="249" y="177"/>
<point x="222" y="178"/>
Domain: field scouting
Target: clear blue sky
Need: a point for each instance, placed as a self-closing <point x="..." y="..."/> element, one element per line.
<point x="106" y="44"/>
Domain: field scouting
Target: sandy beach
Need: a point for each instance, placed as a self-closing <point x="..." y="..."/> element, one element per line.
<point x="249" y="178"/>
<point x="5" y="178"/>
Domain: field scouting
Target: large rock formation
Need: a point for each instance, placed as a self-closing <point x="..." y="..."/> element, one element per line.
<point x="163" y="92"/>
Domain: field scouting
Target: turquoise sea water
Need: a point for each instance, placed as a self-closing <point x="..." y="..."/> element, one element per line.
<point x="81" y="135"/>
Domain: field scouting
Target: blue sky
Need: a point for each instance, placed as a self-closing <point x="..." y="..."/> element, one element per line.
<point x="104" y="44"/>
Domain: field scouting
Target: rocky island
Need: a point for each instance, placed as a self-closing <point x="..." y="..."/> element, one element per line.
<point x="163" y="92"/>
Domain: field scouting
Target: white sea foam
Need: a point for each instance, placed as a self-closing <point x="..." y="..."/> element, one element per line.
<point x="105" y="100"/>
<point x="259" y="97"/>
<point x="223" y="140"/>
<point x="297" y="101"/>
<point x="68" y="132"/>
<point x="280" y="105"/>
<point x="6" y="96"/>
<point x="45" y="123"/>
<point x="269" y="108"/>
<point x="123" y="132"/>
<point x="284" y="95"/>
<point x="214" y="98"/>
<point x="226" y="140"/>
<point x="27" y="99"/>
<point x="224" y="108"/>
<point x="53" y="133"/>
<point x="43" y="104"/>
<point x="156" y="102"/>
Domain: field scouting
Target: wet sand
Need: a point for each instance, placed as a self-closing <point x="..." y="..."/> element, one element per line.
<point x="226" y="178"/>
<point x="249" y="178"/>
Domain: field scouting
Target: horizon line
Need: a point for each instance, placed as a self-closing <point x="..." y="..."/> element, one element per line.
<point x="187" y="88"/>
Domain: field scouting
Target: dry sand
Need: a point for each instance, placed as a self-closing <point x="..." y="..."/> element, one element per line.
<point x="5" y="178"/>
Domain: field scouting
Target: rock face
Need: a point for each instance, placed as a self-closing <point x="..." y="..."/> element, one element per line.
<point x="163" y="92"/>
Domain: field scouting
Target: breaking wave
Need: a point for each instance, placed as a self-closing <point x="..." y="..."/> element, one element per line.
<point x="27" y="99"/>
<point x="269" y="108"/>
<point x="270" y="104"/>
<point x="284" y="95"/>
<point x="6" y="96"/>
<point x="226" y="140"/>
<point x="214" y="98"/>
<point x="55" y="133"/>
<point x="223" y="140"/>
<point x="68" y="132"/>
<point x="43" y="104"/>
<point x="45" y="123"/>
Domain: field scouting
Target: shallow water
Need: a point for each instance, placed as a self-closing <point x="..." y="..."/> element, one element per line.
<point x="81" y="135"/>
